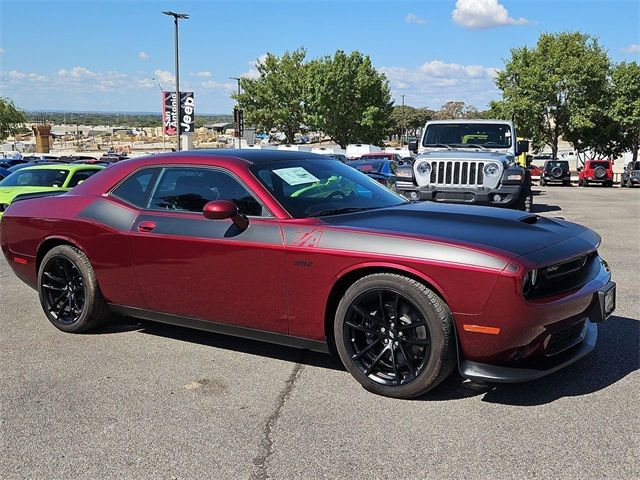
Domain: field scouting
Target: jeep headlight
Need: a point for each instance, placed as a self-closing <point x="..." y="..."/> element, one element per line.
<point x="423" y="169"/>
<point x="491" y="170"/>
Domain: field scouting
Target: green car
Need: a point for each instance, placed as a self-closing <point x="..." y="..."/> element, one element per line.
<point x="44" y="178"/>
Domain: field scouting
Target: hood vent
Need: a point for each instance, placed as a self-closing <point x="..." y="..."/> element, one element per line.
<point x="529" y="219"/>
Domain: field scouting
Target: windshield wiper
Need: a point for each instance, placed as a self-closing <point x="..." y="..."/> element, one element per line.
<point x="336" y="211"/>
<point x="472" y="145"/>
<point x="443" y="145"/>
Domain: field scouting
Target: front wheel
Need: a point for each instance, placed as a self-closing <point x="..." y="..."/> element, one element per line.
<point x="69" y="292"/>
<point x="394" y="335"/>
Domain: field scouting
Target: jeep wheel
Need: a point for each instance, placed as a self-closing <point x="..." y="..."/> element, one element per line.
<point x="585" y="183"/>
<point x="395" y="335"/>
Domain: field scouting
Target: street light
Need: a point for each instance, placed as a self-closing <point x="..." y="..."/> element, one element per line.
<point x="402" y="129"/>
<point x="237" y="79"/>
<point x="177" y="16"/>
<point x="162" y="92"/>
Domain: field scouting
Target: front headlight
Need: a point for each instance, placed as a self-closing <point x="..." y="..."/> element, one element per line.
<point x="424" y="168"/>
<point x="491" y="170"/>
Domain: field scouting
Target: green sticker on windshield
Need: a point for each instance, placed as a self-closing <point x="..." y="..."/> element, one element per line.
<point x="295" y="175"/>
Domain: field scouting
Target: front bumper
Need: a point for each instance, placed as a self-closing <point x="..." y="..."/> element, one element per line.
<point x="603" y="307"/>
<point x="503" y="196"/>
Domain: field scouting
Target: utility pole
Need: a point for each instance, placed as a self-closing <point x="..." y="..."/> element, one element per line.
<point x="177" y="16"/>
<point x="237" y="79"/>
<point x="403" y="128"/>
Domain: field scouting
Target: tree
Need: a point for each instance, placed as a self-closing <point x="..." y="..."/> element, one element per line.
<point x="11" y="118"/>
<point x="409" y="119"/>
<point x="455" y="110"/>
<point x="276" y="98"/>
<point x="625" y="104"/>
<point x="549" y="88"/>
<point x="348" y="99"/>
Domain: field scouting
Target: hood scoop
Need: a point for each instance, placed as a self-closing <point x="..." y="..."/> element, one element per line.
<point x="529" y="219"/>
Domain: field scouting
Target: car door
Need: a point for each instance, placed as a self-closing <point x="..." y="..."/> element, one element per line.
<point x="193" y="267"/>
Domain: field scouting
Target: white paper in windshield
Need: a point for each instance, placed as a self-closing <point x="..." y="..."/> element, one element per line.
<point x="295" y="175"/>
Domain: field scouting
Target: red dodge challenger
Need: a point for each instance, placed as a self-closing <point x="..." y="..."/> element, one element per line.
<point x="302" y="250"/>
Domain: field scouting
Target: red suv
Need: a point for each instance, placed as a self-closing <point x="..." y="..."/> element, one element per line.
<point x="596" y="171"/>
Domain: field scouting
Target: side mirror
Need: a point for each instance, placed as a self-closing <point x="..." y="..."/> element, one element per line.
<point x="413" y="146"/>
<point x="522" y="146"/>
<point x="222" y="209"/>
<point x="579" y="169"/>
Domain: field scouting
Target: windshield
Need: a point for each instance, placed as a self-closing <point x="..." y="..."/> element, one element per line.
<point x="368" y="167"/>
<point x="311" y="187"/>
<point x="599" y="164"/>
<point x="560" y="163"/>
<point x="35" y="178"/>
<point x="461" y="134"/>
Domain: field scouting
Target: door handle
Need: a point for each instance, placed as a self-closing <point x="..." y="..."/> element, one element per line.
<point x="146" y="226"/>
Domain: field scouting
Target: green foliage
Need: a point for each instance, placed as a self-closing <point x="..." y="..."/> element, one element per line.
<point x="276" y="99"/>
<point x="114" y="119"/>
<point x="348" y="99"/>
<point x="409" y="118"/>
<point x="555" y="89"/>
<point x="11" y="118"/>
<point x="625" y="103"/>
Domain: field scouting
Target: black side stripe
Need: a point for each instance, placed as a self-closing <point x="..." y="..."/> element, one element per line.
<point x="110" y="214"/>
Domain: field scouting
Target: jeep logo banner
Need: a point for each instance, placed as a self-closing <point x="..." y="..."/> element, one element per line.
<point x="170" y="113"/>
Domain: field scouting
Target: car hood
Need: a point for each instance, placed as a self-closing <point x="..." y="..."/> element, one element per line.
<point x="510" y="232"/>
<point x="466" y="154"/>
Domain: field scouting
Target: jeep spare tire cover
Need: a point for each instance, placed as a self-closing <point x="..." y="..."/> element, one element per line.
<point x="556" y="172"/>
<point x="600" y="172"/>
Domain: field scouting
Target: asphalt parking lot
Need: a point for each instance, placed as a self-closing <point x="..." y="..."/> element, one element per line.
<point x="140" y="400"/>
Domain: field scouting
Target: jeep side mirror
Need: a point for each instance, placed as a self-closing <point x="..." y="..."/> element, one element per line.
<point x="413" y="146"/>
<point x="522" y="146"/>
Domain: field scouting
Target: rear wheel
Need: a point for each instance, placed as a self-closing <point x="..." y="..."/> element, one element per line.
<point x="394" y="335"/>
<point x="69" y="292"/>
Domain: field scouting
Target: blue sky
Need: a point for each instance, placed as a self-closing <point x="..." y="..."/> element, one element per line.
<point x="102" y="55"/>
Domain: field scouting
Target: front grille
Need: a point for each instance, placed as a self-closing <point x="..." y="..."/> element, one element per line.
<point x="564" y="276"/>
<point x="560" y="341"/>
<point x="456" y="172"/>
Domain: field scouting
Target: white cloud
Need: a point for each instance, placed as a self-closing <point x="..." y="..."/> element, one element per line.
<point x="413" y="18"/>
<point x="77" y="72"/>
<point x="436" y="82"/>
<point x="16" y="75"/>
<point x="164" y="77"/>
<point x="213" y="85"/>
<point x="253" y="71"/>
<point x="633" y="48"/>
<point x="2" y="50"/>
<point x="143" y="56"/>
<point x="203" y="74"/>
<point x="481" y="14"/>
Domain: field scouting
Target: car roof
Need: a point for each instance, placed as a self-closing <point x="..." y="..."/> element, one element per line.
<point x="63" y="166"/>
<point x="248" y="155"/>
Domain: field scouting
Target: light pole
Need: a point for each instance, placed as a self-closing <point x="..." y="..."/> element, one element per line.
<point x="237" y="79"/>
<point x="177" y="16"/>
<point x="162" y="92"/>
<point x="402" y="129"/>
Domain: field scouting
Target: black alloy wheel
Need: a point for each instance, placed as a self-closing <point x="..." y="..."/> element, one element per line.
<point x="69" y="292"/>
<point x="394" y="335"/>
<point x="63" y="290"/>
<point x="386" y="337"/>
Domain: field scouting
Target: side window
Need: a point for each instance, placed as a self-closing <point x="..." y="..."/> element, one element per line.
<point x="137" y="187"/>
<point x="80" y="176"/>
<point x="189" y="189"/>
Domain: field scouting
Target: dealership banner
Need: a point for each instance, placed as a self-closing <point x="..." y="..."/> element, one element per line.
<point x="170" y="113"/>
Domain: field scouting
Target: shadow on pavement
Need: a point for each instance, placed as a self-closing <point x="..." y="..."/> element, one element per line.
<point x="616" y="355"/>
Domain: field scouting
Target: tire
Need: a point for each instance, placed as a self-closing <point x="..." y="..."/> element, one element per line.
<point x="542" y="182"/>
<point x="388" y="359"/>
<point x="567" y="183"/>
<point x="585" y="183"/>
<point x="82" y="308"/>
